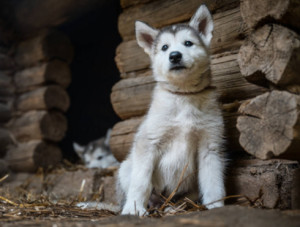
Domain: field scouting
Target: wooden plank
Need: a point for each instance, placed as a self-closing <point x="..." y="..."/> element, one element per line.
<point x="44" y="47"/>
<point x="127" y="3"/>
<point x="162" y="13"/>
<point x="229" y="31"/>
<point x="55" y="71"/>
<point x="122" y="136"/>
<point x="37" y="125"/>
<point x="131" y="97"/>
<point x="44" y="98"/>
<point x="28" y="157"/>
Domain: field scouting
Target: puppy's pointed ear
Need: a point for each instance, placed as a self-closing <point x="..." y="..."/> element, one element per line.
<point x="203" y="23"/>
<point x="145" y="35"/>
<point x="78" y="149"/>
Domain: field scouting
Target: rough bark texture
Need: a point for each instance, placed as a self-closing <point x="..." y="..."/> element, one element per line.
<point x="271" y="53"/>
<point x="131" y="97"/>
<point x="286" y="12"/>
<point x="269" y="125"/>
<point x="47" y="46"/>
<point x="39" y="125"/>
<point x="122" y="136"/>
<point x="162" y="13"/>
<point x="268" y="182"/>
<point x="229" y="31"/>
<point x="55" y="71"/>
<point x="44" y="98"/>
<point x="27" y="157"/>
<point x="126" y="3"/>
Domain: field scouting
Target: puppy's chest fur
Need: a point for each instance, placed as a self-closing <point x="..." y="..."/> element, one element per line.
<point x="174" y="128"/>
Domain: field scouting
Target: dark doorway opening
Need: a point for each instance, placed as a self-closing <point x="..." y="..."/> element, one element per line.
<point x="95" y="38"/>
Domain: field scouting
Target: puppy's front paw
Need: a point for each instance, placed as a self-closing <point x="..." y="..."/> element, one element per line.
<point x="215" y="205"/>
<point x="133" y="210"/>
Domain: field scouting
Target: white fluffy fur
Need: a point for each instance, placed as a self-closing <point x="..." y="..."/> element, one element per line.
<point x="184" y="125"/>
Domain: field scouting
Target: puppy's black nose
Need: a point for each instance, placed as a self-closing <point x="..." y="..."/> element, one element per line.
<point x="175" y="57"/>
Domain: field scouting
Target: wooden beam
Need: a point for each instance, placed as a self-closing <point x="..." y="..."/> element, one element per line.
<point x="38" y="125"/>
<point x="162" y="13"/>
<point x="44" y="47"/>
<point x="44" y="98"/>
<point x="27" y="157"/>
<point x="55" y="71"/>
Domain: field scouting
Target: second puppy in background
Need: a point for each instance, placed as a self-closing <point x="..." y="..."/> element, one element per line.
<point x="96" y="154"/>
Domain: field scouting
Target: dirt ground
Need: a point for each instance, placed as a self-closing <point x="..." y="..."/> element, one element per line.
<point x="50" y="200"/>
<point x="227" y="216"/>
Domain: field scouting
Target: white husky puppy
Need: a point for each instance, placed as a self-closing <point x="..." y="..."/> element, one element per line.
<point x="96" y="154"/>
<point x="184" y="126"/>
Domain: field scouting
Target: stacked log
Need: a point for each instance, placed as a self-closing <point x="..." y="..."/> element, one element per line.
<point x="40" y="100"/>
<point x="131" y="96"/>
<point x="270" y="56"/>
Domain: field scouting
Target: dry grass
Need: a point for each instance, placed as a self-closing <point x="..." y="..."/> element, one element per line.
<point x="36" y="207"/>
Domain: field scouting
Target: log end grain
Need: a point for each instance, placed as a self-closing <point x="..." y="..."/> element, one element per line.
<point x="268" y="123"/>
<point x="29" y="156"/>
<point x="271" y="54"/>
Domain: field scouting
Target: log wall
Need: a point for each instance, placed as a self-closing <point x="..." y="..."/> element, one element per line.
<point x="270" y="56"/>
<point x="33" y="111"/>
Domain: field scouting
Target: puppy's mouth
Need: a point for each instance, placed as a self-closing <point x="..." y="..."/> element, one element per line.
<point x="177" y="67"/>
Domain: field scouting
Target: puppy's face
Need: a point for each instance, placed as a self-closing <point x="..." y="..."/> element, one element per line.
<point x="179" y="53"/>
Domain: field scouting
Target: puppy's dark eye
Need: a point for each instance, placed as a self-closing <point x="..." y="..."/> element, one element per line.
<point x="100" y="157"/>
<point x="188" y="43"/>
<point x="164" y="47"/>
